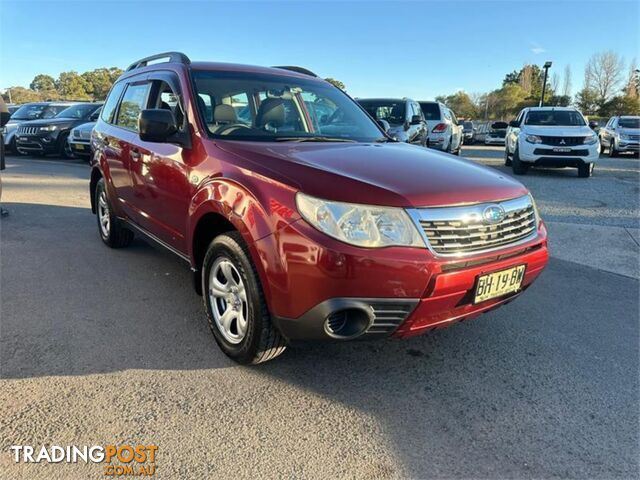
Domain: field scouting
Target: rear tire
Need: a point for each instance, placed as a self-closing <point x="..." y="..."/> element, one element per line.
<point x="249" y="337"/>
<point x="112" y="232"/>
<point x="585" y="170"/>
<point x="518" y="166"/>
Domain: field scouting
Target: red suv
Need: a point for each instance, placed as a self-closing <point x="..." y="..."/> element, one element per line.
<point x="298" y="216"/>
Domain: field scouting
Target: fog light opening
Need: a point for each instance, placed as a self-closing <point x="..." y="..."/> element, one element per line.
<point x="347" y="323"/>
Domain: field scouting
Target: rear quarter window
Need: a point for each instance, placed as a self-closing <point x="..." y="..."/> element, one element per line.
<point x="112" y="101"/>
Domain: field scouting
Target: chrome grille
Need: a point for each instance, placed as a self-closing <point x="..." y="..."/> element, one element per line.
<point x="463" y="230"/>
<point x="389" y="315"/>
<point x="635" y="138"/>
<point x="28" y="130"/>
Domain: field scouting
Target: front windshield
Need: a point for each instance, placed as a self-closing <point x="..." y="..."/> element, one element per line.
<point x="28" y="112"/>
<point x="259" y="107"/>
<point x="393" y="111"/>
<point x="468" y="126"/>
<point x="562" y="118"/>
<point x="629" y="123"/>
<point x="78" y="111"/>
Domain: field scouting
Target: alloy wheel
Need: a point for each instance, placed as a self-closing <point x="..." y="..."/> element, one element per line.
<point x="104" y="216"/>
<point x="228" y="298"/>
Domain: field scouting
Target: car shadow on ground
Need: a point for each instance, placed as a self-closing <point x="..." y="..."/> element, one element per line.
<point x="531" y="384"/>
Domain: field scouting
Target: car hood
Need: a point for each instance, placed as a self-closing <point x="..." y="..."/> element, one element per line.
<point x="392" y="174"/>
<point x="85" y="127"/>
<point x="555" y="131"/>
<point x="61" y="122"/>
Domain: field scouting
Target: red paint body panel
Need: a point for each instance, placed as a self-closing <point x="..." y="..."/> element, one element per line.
<point x="169" y="189"/>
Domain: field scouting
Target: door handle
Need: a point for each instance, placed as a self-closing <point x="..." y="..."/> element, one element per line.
<point x="134" y="154"/>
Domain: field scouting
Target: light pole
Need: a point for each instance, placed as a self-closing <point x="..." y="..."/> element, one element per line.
<point x="547" y="66"/>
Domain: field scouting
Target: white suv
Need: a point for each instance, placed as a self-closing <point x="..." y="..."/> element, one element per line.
<point x="551" y="137"/>
<point x="445" y="133"/>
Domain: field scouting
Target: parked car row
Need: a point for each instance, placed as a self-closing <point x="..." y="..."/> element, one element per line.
<point x="46" y="127"/>
<point x="430" y="124"/>
<point x="621" y="134"/>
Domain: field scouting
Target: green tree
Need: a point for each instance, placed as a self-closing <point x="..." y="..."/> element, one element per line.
<point x="336" y="83"/>
<point x="23" y="95"/>
<point x="508" y="101"/>
<point x="98" y="82"/>
<point x="461" y="103"/>
<point x="620" y="105"/>
<point x="72" y="86"/>
<point x="43" y="83"/>
<point x="587" y="101"/>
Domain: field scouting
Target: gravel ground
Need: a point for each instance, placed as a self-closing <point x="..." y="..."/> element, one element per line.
<point x="100" y="346"/>
<point x="611" y="197"/>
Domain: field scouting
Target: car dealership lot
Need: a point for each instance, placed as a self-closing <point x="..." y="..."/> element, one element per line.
<point x="538" y="388"/>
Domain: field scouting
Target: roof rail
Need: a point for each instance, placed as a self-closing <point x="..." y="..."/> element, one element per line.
<point x="173" y="57"/>
<point x="302" y="70"/>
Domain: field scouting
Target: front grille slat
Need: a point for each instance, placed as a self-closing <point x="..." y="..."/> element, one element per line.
<point x="28" y="130"/>
<point x="462" y="230"/>
<point x="562" y="141"/>
<point x="388" y="316"/>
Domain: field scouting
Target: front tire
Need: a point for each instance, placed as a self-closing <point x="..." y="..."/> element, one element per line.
<point x="612" y="149"/>
<point x="585" y="170"/>
<point x="518" y="166"/>
<point x="507" y="159"/>
<point x="65" y="148"/>
<point x="112" y="232"/>
<point x="234" y="301"/>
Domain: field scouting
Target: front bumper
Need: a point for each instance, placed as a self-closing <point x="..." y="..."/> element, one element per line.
<point x="40" y="143"/>
<point x="628" y="146"/>
<point x="550" y="156"/>
<point x="80" y="147"/>
<point x="404" y="291"/>
<point x="494" y="141"/>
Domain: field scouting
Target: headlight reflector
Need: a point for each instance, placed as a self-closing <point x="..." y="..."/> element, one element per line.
<point x="535" y="210"/>
<point x="533" y="139"/>
<point x="367" y="226"/>
<point x="591" y="139"/>
<point x="49" y="128"/>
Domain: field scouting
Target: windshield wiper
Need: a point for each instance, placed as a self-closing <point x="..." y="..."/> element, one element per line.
<point x="313" y="139"/>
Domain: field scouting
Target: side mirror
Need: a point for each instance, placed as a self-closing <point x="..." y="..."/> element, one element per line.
<point x="4" y="118"/>
<point x="514" y="124"/>
<point x="593" y="124"/>
<point x="384" y="124"/>
<point x="416" y="120"/>
<point x="157" y="125"/>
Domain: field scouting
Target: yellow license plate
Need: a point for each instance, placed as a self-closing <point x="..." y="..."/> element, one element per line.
<point x="78" y="146"/>
<point x="500" y="283"/>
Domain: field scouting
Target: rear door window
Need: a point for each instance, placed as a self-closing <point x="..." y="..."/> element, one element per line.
<point x="133" y="102"/>
<point x="431" y="111"/>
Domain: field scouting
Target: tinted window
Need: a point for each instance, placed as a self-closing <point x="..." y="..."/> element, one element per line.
<point x="34" y="111"/>
<point x="111" y="103"/>
<point x="82" y="110"/>
<point x="431" y="111"/>
<point x="629" y="123"/>
<point x="133" y="102"/>
<point x="394" y="112"/>
<point x="567" y="118"/>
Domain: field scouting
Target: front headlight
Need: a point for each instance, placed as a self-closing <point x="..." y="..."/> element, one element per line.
<point x="591" y="139"/>
<point x="533" y="139"/>
<point x="535" y="210"/>
<point x="49" y="128"/>
<point x="360" y="225"/>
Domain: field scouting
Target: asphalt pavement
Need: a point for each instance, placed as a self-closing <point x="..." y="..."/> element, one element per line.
<point x="101" y="346"/>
